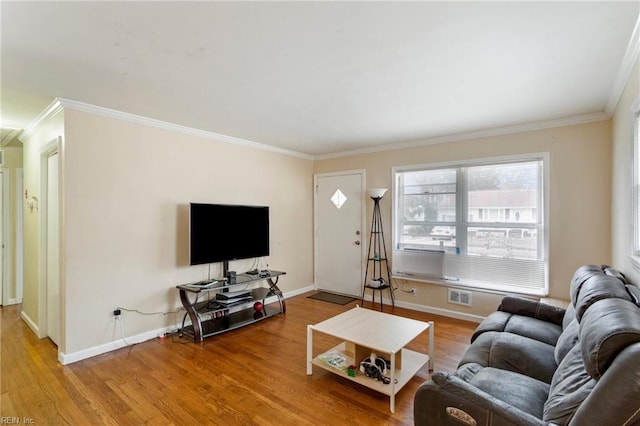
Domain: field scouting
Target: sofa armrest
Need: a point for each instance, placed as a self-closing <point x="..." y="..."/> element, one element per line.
<point x="529" y="308"/>
<point x="448" y="400"/>
<point x="615" y="399"/>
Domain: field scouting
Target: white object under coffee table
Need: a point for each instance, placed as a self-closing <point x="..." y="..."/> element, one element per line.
<point x="365" y="331"/>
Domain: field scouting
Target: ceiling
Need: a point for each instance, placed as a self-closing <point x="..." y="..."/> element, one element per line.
<point x="318" y="77"/>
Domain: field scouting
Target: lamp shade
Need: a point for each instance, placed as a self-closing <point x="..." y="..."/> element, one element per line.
<point x="376" y="192"/>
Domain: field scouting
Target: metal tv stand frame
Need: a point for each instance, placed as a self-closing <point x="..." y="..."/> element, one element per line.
<point x="210" y="316"/>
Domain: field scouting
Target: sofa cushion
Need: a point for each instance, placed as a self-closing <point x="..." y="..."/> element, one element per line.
<point x="569" y="315"/>
<point x="532" y="328"/>
<point x="599" y="288"/>
<point x="512" y="352"/>
<point x="516" y="389"/>
<point x="495" y="321"/>
<point x="615" y="273"/>
<point x="608" y="327"/>
<point x="567" y="340"/>
<point x="581" y="275"/>
<point x="529" y="308"/>
<point x="634" y="292"/>
<point x="570" y="386"/>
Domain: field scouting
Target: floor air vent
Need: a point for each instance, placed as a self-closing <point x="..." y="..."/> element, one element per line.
<point x="459" y="297"/>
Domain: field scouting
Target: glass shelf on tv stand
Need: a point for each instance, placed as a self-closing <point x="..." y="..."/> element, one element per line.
<point x="211" y="317"/>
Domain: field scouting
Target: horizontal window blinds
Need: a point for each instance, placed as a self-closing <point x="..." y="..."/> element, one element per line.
<point x="525" y="275"/>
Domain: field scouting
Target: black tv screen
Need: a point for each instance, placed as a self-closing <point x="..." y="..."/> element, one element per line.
<point x="222" y="232"/>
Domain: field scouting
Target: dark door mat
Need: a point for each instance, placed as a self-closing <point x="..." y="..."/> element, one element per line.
<point x="332" y="298"/>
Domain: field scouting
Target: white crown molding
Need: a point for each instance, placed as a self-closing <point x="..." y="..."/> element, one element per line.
<point x="14" y="133"/>
<point x="624" y="73"/>
<point x="61" y="103"/>
<point x="152" y="122"/>
<point x="42" y="118"/>
<point x="499" y="131"/>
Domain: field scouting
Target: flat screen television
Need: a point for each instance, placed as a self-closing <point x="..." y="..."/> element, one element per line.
<point x="223" y="232"/>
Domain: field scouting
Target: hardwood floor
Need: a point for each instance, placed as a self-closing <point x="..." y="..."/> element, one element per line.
<point x="253" y="375"/>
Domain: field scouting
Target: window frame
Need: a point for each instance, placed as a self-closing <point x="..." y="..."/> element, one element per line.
<point x="463" y="223"/>
<point x="635" y="184"/>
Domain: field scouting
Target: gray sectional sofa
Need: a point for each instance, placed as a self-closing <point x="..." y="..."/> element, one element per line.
<point x="535" y="364"/>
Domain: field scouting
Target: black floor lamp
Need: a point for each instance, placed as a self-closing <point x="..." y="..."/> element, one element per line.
<point x="377" y="276"/>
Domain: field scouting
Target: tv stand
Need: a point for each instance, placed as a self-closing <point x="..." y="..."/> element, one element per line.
<point x="212" y="316"/>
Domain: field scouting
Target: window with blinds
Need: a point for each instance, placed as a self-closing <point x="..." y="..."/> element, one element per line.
<point x="478" y="224"/>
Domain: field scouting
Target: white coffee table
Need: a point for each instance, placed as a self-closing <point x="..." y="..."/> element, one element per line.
<point x="365" y="331"/>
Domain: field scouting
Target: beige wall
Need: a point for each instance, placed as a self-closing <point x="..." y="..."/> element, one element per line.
<point x="580" y="197"/>
<point x="125" y="194"/>
<point x="622" y="131"/>
<point x="127" y="189"/>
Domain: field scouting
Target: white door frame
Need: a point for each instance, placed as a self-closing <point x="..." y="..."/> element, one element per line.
<point x="362" y="173"/>
<point x="19" y="278"/>
<point x="4" y="287"/>
<point x="48" y="150"/>
<point x="5" y="252"/>
<point x="6" y="239"/>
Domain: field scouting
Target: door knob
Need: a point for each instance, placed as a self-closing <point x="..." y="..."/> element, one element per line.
<point x="357" y="243"/>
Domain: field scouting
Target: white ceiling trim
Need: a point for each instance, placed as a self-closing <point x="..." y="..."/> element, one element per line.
<point x="624" y="73"/>
<point x="11" y="135"/>
<point x="61" y="103"/>
<point x="42" y="118"/>
<point x="499" y="131"/>
<point x="137" y="119"/>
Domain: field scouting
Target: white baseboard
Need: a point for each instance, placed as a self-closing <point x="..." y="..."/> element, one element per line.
<point x="139" y="338"/>
<point x="112" y="346"/>
<point x="152" y="334"/>
<point x="32" y="325"/>
<point x="299" y="291"/>
<point x="437" y="311"/>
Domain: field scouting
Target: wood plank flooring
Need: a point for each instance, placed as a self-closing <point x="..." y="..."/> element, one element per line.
<point x="253" y="375"/>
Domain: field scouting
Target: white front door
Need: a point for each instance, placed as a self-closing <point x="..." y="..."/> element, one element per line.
<point x="338" y="232"/>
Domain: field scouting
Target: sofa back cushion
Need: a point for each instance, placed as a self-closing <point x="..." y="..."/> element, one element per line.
<point x="634" y="292"/>
<point x="581" y="275"/>
<point x="567" y="340"/>
<point x="608" y="270"/>
<point x="569" y="316"/>
<point x="598" y="288"/>
<point x="607" y="327"/>
<point x="528" y="308"/>
<point x="571" y="384"/>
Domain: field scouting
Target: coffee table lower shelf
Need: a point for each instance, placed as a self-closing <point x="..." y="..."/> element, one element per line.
<point x="411" y="362"/>
<point x="363" y="331"/>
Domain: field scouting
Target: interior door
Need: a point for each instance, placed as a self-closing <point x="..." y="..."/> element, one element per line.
<point x="339" y="240"/>
<point x="53" y="255"/>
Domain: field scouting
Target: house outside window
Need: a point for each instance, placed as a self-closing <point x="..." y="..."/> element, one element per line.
<point x="477" y="223"/>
